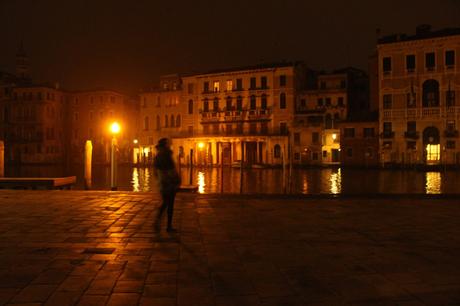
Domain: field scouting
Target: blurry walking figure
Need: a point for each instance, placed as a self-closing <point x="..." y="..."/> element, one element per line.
<point x="168" y="180"/>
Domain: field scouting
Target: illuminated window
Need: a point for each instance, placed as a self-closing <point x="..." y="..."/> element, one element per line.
<point x="216" y="86"/>
<point x="229" y="85"/>
<point x="432" y="153"/>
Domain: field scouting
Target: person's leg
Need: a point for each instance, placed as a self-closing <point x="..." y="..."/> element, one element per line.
<point x="171" y="209"/>
<point x="161" y="210"/>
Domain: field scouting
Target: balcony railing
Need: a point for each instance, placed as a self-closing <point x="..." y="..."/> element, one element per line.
<point x="421" y="113"/>
<point x="451" y="133"/>
<point x="235" y="115"/>
<point x="222" y="132"/>
<point x="387" y="135"/>
<point x="411" y="134"/>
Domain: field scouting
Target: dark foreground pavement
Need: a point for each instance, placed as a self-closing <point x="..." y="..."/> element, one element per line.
<point x="99" y="248"/>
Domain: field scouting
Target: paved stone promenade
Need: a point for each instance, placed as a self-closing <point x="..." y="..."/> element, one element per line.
<point x="99" y="248"/>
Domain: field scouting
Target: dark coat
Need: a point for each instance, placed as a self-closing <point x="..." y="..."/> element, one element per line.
<point x="168" y="178"/>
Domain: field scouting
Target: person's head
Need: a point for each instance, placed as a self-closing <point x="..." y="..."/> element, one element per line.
<point x="163" y="143"/>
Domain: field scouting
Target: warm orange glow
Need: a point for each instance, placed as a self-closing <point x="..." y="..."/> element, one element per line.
<point x="115" y="128"/>
<point x="200" y="145"/>
<point x="135" y="141"/>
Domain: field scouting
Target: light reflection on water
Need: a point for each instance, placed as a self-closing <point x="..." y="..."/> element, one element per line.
<point x="336" y="182"/>
<point x="268" y="181"/>
<point x="201" y="182"/>
<point x="433" y="182"/>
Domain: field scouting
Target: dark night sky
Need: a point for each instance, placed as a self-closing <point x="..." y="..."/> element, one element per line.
<point x="126" y="45"/>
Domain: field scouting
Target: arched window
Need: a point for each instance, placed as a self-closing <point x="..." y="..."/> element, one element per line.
<point x="228" y="104"/>
<point x="430" y="93"/>
<point x="277" y="151"/>
<point x="263" y="102"/>
<point x="282" y="100"/>
<point x="190" y="106"/>
<point x="178" y="123"/>
<point x="252" y="102"/>
<point x="146" y="123"/>
<point x="172" y="121"/>
<point x="239" y="103"/>
<point x="166" y="121"/>
<point x="158" y="122"/>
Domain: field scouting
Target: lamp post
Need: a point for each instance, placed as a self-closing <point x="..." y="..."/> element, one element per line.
<point x="115" y="129"/>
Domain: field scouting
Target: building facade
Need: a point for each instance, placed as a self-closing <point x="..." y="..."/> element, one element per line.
<point x="419" y="78"/>
<point x="226" y="116"/>
<point x="332" y="98"/>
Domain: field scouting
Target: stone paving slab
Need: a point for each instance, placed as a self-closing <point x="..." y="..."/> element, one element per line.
<point x="100" y="248"/>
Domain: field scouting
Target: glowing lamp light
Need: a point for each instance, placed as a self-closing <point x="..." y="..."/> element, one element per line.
<point x="135" y="141"/>
<point x="115" y="128"/>
<point x="334" y="136"/>
<point x="200" y="145"/>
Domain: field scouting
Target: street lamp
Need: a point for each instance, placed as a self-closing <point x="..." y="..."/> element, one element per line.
<point x="114" y="129"/>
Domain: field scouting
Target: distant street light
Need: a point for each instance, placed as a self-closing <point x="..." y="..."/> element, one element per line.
<point x="201" y="145"/>
<point x="115" y="129"/>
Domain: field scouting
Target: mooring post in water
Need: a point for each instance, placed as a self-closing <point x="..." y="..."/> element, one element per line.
<point x="283" y="155"/>
<point x="88" y="161"/>
<point x="191" y="167"/>
<point x="222" y="171"/>
<point x="241" y="167"/>
<point x="2" y="158"/>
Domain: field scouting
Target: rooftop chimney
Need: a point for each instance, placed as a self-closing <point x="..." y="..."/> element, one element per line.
<point x="423" y="29"/>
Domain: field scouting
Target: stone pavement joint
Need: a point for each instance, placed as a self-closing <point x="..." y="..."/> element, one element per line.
<point x="100" y="248"/>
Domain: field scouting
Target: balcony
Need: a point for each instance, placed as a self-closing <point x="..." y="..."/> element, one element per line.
<point x="211" y="116"/>
<point x="421" y="113"/>
<point x="260" y="113"/>
<point x="451" y="133"/>
<point x="411" y="134"/>
<point x="387" y="135"/>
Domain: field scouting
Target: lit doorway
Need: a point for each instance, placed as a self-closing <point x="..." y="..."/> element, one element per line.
<point x="432" y="145"/>
<point x="433" y="154"/>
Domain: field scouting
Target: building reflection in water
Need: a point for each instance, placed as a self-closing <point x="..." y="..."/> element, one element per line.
<point x="433" y="182"/>
<point x="336" y="182"/>
<point x="304" y="183"/>
<point x="201" y="182"/>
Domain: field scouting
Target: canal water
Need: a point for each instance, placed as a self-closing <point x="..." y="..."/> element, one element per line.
<point x="266" y="181"/>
